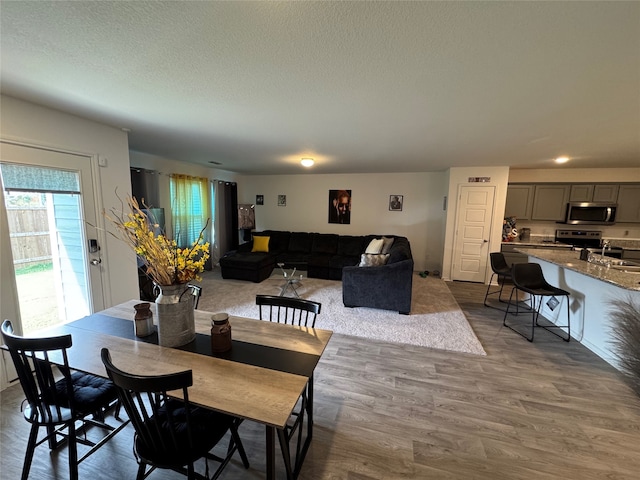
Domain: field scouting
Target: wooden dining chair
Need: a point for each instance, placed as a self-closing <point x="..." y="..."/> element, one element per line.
<point x="172" y="433"/>
<point x="57" y="401"/>
<point x="292" y="311"/>
<point x="303" y="313"/>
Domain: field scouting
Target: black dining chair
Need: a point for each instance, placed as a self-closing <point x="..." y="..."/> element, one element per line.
<point x="502" y="270"/>
<point x="196" y="291"/>
<point x="57" y="400"/>
<point x="291" y="311"/>
<point x="303" y="313"/>
<point x="171" y="432"/>
<point x="528" y="278"/>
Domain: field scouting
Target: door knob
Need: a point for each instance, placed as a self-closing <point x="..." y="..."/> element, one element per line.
<point x="95" y="261"/>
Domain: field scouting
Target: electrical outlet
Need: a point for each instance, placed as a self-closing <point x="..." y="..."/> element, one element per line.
<point x="553" y="303"/>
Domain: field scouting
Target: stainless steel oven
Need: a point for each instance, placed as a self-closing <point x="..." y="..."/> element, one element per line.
<point x="586" y="213"/>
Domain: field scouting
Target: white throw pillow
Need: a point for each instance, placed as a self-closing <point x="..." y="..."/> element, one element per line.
<point x="375" y="246"/>
<point x="373" y="260"/>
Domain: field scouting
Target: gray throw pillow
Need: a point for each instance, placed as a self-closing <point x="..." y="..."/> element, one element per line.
<point x="373" y="260"/>
<point x="386" y="246"/>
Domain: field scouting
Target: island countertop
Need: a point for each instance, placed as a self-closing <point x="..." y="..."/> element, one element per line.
<point x="571" y="260"/>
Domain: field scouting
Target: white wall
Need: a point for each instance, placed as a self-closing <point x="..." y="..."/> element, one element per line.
<point x="421" y="219"/>
<point x="460" y="176"/>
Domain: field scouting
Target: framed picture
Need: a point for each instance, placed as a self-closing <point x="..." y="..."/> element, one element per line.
<point x="282" y="200"/>
<point x="259" y="199"/>
<point x="340" y="206"/>
<point x="395" y="203"/>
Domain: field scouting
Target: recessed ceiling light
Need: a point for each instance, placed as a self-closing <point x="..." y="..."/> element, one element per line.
<point x="307" y="162"/>
<point x="562" y="159"/>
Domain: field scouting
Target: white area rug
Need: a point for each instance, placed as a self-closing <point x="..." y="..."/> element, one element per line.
<point x="436" y="320"/>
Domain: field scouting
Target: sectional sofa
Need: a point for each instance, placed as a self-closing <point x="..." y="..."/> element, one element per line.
<point x="330" y="256"/>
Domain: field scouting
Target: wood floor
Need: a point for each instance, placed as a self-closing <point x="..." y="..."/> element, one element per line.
<point x="543" y="410"/>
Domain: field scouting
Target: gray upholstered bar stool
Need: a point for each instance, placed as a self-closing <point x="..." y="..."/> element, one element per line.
<point x="528" y="278"/>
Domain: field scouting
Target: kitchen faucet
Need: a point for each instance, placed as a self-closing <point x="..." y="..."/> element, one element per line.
<point x="606" y="244"/>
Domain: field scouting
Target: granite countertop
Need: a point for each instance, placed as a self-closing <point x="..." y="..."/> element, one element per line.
<point x="542" y="244"/>
<point x="571" y="260"/>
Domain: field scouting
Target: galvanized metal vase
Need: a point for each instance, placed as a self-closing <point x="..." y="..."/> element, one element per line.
<point x="176" y="324"/>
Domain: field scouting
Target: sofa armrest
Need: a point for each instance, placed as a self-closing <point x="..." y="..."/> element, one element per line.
<point x="387" y="287"/>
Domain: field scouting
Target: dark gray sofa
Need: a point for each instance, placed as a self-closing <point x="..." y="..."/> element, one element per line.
<point x="334" y="257"/>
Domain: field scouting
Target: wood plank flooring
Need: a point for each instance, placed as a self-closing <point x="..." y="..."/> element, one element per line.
<point x="543" y="410"/>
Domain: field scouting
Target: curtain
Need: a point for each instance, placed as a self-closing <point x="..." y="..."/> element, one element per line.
<point x="225" y="208"/>
<point x="190" y="209"/>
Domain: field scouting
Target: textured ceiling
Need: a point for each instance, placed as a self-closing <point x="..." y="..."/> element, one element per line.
<point x="359" y="86"/>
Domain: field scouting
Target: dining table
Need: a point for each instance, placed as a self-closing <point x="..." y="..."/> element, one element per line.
<point x="260" y="379"/>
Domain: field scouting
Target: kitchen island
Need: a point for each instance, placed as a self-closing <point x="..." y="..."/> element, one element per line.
<point x="595" y="290"/>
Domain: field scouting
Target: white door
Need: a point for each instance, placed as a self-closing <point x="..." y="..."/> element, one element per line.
<point x="56" y="250"/>
<point x="473" y="229"/>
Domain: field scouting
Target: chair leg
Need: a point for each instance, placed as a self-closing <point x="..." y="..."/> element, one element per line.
<point x="239" y="445"/>
<point x="488" y="288"/>
<point x="73" y="452"/>
<point x="567" y="326"/>
<point x="31" y="447"/>
<point x="506" y="312"/>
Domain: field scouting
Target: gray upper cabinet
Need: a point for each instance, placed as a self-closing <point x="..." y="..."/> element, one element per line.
<point x="581" y="193"/>
<point x="550" y="202"/>
<point x="519" y="201"/>
<point x="607" y="193"/>
<point x="629" y="203"/>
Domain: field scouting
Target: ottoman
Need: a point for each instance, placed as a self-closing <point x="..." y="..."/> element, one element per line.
<point x="251" y="266"/>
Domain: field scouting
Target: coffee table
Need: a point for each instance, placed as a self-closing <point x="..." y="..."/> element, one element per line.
<point x="291" y="282"/>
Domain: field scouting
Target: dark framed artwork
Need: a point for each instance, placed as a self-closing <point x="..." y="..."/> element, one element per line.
<point x="395" y="203"/>
<point x="340" y="206"/>
<point x="282" y="200"/>
<point x="259" y="199"/>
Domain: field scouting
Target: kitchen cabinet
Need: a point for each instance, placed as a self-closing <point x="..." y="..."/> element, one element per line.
<point x="519" y="201"/>
<point x="550" y="202"/>
<point x="629" y="203"/>
<point x="606" y="193"/>
<point x="581" y="193"/>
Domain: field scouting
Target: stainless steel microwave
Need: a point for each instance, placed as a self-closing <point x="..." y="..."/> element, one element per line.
<point x="586" y="213"/>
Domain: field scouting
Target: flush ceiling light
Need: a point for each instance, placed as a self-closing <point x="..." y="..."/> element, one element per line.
<point x="562" y="159"/>
<point x="307" y="162"/>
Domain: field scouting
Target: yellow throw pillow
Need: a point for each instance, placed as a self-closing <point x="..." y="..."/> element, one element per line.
<point x="260" y="244"/>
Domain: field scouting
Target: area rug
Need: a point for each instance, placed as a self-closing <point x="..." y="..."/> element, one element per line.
<point x="436" y="320"/>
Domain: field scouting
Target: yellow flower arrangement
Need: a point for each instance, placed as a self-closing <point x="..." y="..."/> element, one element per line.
<point x="166" y="263"/>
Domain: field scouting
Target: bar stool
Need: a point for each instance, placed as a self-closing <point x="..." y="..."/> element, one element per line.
<point x="503" y="271"/>
<point x="528" y="278"/>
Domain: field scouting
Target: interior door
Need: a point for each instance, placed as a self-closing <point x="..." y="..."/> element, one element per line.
<point x="65" y="282"/>
<point x="473" y="229"/>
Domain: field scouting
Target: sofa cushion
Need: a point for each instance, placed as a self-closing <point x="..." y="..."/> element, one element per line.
<point x="400" y="250"/>
<point x="350" y="246"/>
<point x="299" y="242"/>
<point x="373" y="260"/>
<point x="375" y="246"/>
<point x="324" y="243"/>
<point x="279" y="240"/>
<point x="260" y="244"/>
